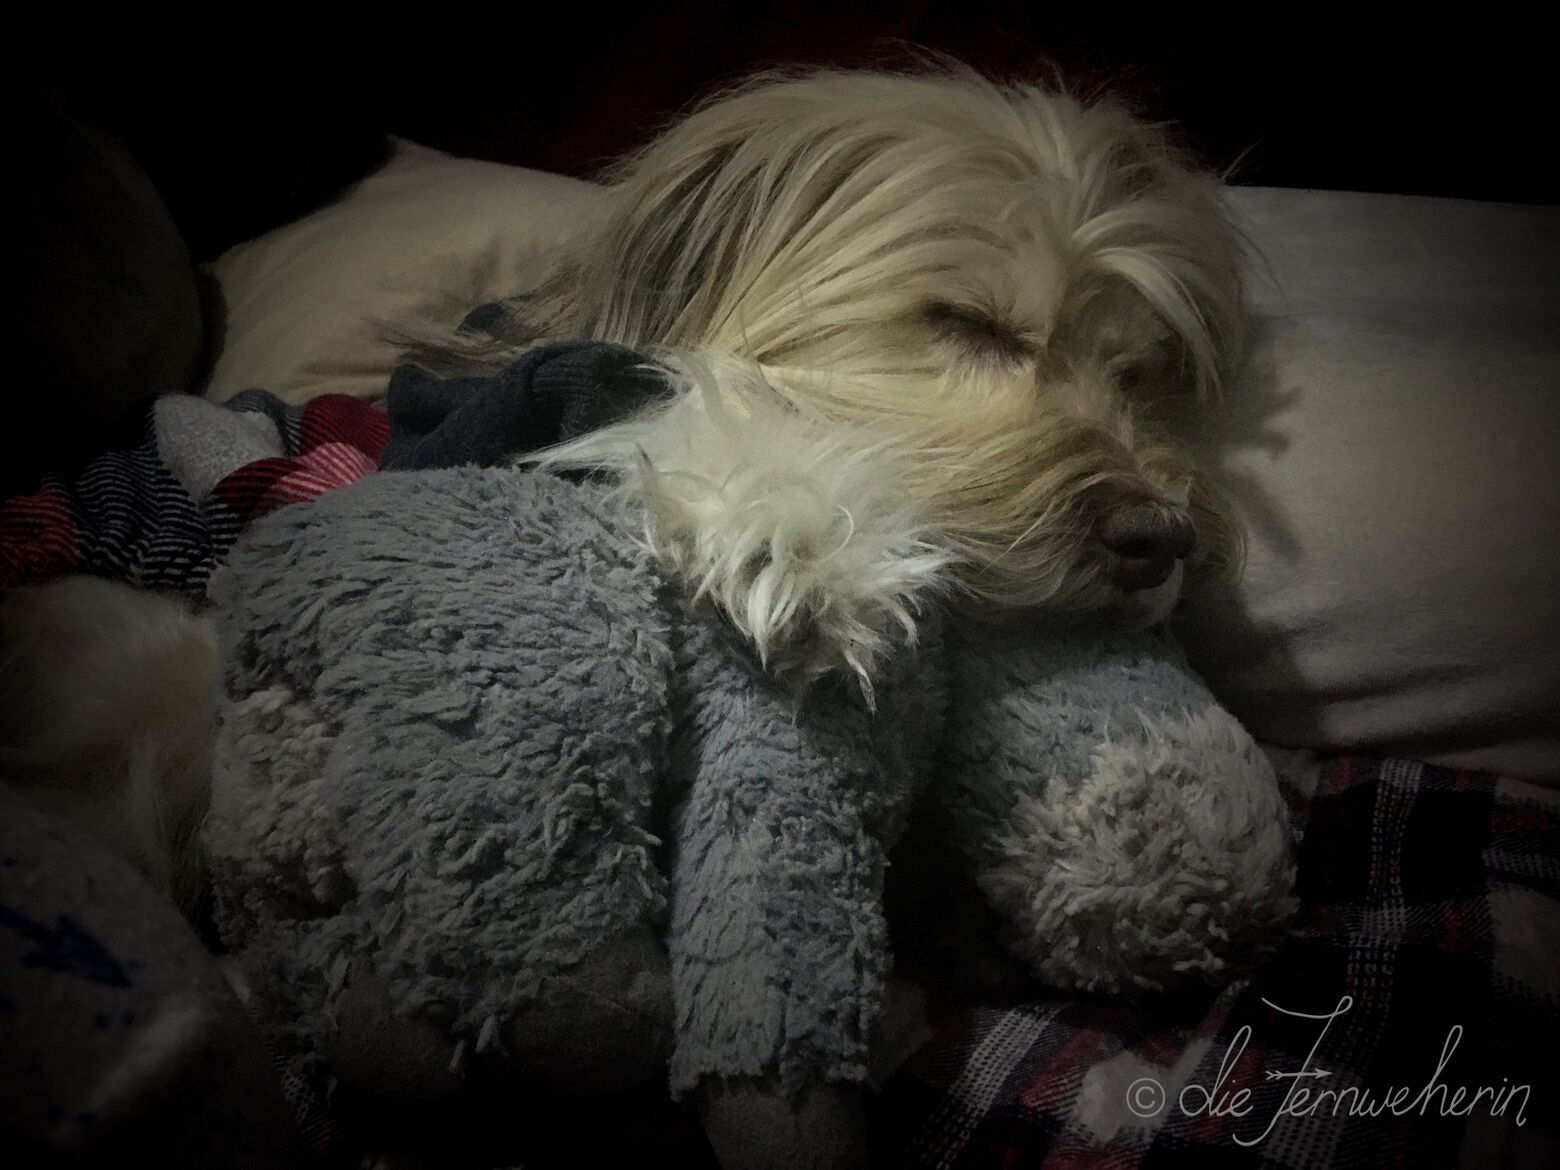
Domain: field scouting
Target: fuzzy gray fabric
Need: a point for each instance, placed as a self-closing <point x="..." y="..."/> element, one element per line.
<point x="1128" y="831"/>
<point x="469" y="733"/>
<point x="549" y="394"/>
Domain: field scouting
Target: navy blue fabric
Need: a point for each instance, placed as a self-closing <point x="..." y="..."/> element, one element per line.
<point x="546" y="395"/>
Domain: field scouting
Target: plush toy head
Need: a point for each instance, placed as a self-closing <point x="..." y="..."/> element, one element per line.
<point x="1126" y="829"/>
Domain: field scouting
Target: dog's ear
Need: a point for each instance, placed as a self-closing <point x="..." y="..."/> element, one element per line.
<point x="1158" y="223"/>
<point x="709" y="211"/>
<point x="656" y="274"/>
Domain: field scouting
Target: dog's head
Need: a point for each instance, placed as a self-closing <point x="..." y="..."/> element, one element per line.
<point x="1011" y="296"/>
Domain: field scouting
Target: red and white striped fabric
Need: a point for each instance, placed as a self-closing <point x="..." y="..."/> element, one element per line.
<point x="164" y="513"/>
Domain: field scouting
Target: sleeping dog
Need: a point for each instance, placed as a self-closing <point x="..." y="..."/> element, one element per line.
<point x="928" y="333"/>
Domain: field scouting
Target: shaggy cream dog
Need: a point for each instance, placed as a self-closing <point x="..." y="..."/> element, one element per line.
<point x="934" y="334"/>
<point x="930" y="335"/>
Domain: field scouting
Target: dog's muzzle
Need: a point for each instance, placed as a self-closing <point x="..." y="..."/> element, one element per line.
<point x="1141" y="543"/>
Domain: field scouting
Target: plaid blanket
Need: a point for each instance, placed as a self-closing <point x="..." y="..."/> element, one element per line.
<point x="1413" y="1018"/>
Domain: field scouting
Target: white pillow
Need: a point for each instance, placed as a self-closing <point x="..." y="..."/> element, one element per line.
<point x="1394" y="447"/>
<point x="421" y="241"/>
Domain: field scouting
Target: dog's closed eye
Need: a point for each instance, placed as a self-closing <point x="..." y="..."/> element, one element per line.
<point x="1156" y="372"/>
<point x="980" y="331"/>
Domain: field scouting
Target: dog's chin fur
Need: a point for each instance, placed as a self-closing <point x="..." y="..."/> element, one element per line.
<point x="972" y="311"/>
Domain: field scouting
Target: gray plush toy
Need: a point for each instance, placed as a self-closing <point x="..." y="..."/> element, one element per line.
<point x="483" y="769"/>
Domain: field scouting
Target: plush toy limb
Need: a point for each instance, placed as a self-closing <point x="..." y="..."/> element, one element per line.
<point x="1128" y="831"/>
<point x="777" y="937"/>
<point x="778" y="941"/>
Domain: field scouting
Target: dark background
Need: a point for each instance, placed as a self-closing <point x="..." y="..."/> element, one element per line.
<point x="244" y="131"/>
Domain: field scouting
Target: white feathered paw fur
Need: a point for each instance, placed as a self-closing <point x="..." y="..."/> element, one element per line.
<point x="801" y="534"/>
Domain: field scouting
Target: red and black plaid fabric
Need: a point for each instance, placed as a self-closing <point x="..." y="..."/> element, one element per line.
<point x="1412" y="1019"/>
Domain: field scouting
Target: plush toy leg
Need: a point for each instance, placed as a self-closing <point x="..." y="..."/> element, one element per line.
<point x="753" y="1124"/>
<point x="1128" y="832"/>
<point x="778" y="942"/>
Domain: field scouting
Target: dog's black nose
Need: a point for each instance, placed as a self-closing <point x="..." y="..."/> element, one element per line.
<point x="1143" y="541"/>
